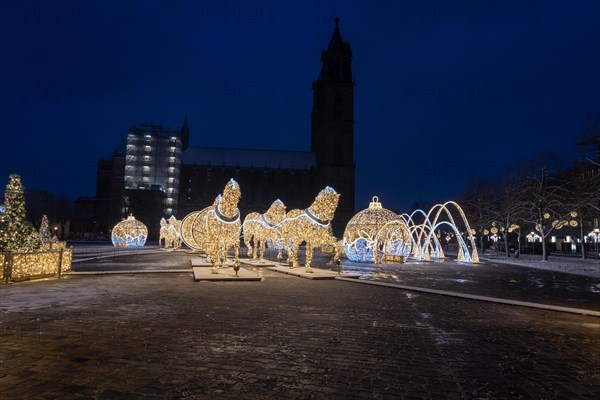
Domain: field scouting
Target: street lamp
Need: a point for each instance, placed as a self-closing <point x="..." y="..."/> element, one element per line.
<point x="532" y="238"/>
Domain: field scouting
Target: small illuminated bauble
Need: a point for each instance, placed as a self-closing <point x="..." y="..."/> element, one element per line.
<point x="129" y="233"/>
<point x="364" y="229"/>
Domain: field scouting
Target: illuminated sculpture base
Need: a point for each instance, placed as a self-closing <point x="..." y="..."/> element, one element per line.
<point x="313" y="273"/>
<point x="225" y="274"/>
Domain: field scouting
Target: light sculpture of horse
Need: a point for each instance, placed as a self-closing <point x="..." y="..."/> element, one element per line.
<point x="216" y="229"/>
<point x="169" y="233"/>
<point x="311" y="226"/>
<point x="263" y="228"/>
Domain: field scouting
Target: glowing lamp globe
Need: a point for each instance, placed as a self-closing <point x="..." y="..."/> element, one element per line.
<point x="368" y="230"/>
<point x="129" y="233"/>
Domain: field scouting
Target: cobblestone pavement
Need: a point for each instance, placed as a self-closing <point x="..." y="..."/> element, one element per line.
<point x="489" y="279"/>
<point x="163" y="336"/>
<point x="486" y="279"/>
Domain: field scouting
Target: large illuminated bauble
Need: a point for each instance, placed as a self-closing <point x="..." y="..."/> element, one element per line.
<point x="129" y="233"/>
<point x="376" y="228"/>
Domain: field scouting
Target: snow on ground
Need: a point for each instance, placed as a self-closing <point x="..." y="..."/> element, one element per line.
<point x="571" y="265"/>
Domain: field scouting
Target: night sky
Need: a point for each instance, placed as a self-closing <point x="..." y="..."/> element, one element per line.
<point x="444" y="90"/>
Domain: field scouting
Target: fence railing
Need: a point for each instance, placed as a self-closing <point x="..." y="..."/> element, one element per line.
<point x="18" y="266"/>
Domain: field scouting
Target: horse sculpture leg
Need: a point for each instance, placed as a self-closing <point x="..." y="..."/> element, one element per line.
<point x="309" y="254"/>
<point x="292" y="260"/>
<point x="279" y="251"/>
<point x="224" y="251"/>
<point x="236" y="249"/>
<point x="256" y="248"/>
<point x="336" y="252"/>
<point x="213" y="253"/>
<point x="248" y="244"/>
<point x="262" y="245"/>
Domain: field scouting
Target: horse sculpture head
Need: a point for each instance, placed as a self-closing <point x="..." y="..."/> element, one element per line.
<point x="325" y="204"/>
<point x="227" y="204"/>
<point x="276" y="213"/>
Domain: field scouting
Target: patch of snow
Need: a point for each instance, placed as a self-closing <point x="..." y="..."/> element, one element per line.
<point x="569" y="265"/>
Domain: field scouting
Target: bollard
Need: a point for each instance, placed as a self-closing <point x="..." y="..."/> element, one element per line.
<point x="60" y="257"/>
<point x="8" y="266"/>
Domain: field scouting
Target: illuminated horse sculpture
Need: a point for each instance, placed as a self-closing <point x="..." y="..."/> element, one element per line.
<point x="312" y="226"/>
<point x="169" y="232"/>
<point x="216" y="229"/>
<point x="262" y="228"/>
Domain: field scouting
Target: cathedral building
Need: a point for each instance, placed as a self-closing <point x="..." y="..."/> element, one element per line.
<point x="157" y="174"/>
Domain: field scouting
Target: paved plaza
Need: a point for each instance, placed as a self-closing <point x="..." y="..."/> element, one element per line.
<point x="164" y="336"/>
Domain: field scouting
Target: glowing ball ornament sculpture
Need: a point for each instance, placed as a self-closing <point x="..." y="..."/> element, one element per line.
<point x="261" y="229"/>
<point x="129" y="233"/>
<point x="376" y="233"/>
<point x="312" y="226"/>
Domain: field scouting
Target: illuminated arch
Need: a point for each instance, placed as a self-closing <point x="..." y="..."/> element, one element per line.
<point x="463" y="254"/>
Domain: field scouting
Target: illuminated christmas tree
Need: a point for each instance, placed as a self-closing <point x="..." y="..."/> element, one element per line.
<point x="15" y="234"/>
<point x="45" y="235"/>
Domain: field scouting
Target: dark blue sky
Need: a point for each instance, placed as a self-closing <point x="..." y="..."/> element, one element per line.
<point x="444" y="90"/>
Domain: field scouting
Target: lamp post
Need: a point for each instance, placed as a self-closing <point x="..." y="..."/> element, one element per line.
<point x="531" y="238"/>
<point x="595" y="236"/>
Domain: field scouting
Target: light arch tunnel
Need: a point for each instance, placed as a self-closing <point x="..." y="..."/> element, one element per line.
<point x="400" y="238"/>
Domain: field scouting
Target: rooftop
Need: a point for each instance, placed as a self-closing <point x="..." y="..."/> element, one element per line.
<point x="249" y="158"/>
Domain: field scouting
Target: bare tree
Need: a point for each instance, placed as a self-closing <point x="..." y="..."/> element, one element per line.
<point x="584" y="197"/>
<point x="543" y="200"/>
<point x="507" y="210"/>
<point x="478" y="203"/>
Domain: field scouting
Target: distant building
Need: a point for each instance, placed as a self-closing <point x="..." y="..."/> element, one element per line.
<point x="153" y="161"/>
<point x="155" y="174"/>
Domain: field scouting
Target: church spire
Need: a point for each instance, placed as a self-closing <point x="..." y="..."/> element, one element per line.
<point x="336" y="42"/>
<point x="336" y="59"/>
<point x="185" y="133"/>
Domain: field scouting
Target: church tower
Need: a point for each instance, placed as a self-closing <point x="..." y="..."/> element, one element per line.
<point x="332" y="136"/>
<point x="185" y="134"/>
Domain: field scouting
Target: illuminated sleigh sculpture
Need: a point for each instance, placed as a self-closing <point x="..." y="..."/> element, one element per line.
<point x="169" y="233"/>
<point x="216" y="229"/>
<point x="377" y="234"/>
<point x="312" y="226"/>
<point x="261" y="229"/>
